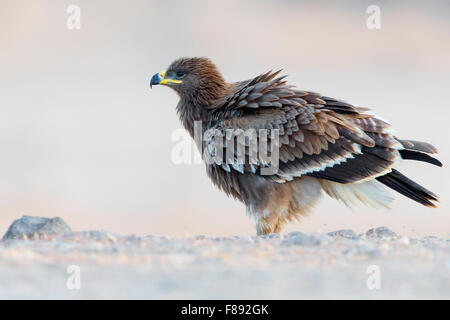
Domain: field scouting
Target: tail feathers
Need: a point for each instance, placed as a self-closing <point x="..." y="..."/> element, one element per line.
<point x="418" y="146"/>
<point x="369" y="193"/>
<point x="408" y="188"/>
<point x="419" y="156"/>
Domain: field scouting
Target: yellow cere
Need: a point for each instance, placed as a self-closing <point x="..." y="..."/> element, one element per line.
<point x="162" y="75"/>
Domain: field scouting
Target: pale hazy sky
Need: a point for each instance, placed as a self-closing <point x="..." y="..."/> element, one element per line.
<point x="84" y="138"/>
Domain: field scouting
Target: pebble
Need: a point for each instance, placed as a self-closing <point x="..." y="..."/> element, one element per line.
<point x="381" y="233"/>
<point x="300" y="238"/>
<point x="345" y="233"/>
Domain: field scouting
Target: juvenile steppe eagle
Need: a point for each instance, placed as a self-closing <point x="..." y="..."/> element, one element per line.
<point x="322" y="144"/>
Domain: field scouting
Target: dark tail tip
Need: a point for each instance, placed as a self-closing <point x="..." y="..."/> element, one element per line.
<point x="402" y="184"/>
<point x="419" y="156"/>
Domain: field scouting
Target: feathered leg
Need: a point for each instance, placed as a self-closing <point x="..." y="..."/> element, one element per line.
<point x="292" y="201"/>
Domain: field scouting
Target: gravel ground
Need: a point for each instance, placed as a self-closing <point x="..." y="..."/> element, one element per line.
<point x="337" y="265"/>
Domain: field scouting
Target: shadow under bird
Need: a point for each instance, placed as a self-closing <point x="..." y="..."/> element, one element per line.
<point x="323" y="144"/>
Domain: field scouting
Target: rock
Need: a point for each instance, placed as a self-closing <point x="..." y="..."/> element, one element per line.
<point x="300" y="238"/>
<point x="381" y="232"/>
<point x="432" y="238"/>
<point x="271" y="236"/>
<point x="433" y="242"/>
<point x="221" y="239"/>
<point x="403" y="241"/>
<point x="29" y="227"/>
<point x="100" y="236"/>
<point x="368" y="249"/>
<point x="345" y="233"/>
<point x="246" y="239"/>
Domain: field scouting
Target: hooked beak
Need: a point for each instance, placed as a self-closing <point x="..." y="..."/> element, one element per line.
<point x="155" y="80"/>
<point x="160" y="78"/>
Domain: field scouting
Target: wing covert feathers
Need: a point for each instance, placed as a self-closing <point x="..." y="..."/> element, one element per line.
<point x="319" y="136"/>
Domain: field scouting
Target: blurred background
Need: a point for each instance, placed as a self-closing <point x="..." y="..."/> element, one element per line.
<point x="83" y="137"/>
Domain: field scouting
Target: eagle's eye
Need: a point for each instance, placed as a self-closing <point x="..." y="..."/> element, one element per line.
<point x="180" y="74"/>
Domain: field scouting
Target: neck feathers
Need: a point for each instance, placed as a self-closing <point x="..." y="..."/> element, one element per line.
<point x="198" y="105"/>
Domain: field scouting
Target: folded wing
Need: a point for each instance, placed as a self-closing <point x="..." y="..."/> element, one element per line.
<point x="318" y="136"/>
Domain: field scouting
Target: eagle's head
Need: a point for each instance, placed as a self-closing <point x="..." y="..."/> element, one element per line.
<point x="196" y="79"/>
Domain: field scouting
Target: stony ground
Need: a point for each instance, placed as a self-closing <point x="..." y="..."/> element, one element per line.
<point x="295" y="266"/>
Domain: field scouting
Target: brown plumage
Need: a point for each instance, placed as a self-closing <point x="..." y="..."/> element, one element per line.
<point x="324" y="144"/>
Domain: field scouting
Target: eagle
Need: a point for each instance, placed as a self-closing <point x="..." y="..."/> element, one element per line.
<point x="322" y="145"/>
